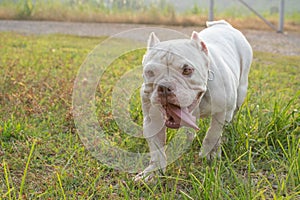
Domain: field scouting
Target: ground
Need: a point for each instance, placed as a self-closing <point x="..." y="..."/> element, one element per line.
<point x="266" y="41"/>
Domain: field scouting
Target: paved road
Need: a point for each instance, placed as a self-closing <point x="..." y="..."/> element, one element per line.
<point x="268" y="41"/>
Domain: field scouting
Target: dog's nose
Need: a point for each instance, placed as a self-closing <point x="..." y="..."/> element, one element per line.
<point x="165" y="89"/>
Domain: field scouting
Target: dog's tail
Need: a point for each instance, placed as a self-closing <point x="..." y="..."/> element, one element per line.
<point x="220" y="22"/>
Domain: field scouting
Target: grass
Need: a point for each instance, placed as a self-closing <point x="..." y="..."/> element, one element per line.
<point x="42" y="156"/>
<point x="163" y="13"/>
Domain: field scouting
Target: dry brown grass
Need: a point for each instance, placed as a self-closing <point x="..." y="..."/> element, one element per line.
<point x="151" y="16"/>
<point x="256" y="24"/>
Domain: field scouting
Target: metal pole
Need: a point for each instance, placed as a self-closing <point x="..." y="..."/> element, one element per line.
<point x="281" y="17"/>
<point x="211" y="11"/>
<point x="259" y="15"/>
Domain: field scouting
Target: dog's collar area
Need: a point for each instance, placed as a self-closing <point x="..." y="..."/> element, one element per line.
<point x="211" y="75"/>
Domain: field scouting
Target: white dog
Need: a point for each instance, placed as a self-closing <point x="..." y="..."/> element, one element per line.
<point x="206" y="75"/>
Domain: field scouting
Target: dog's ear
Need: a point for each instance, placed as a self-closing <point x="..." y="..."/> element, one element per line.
<point x="196" y="38"/>
<point x="153" y="40"/>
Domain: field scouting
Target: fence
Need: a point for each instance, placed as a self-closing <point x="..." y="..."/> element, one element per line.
<point x="281" y="14"/>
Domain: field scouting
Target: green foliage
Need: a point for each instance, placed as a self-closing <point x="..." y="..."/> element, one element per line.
<point x="43" y="157"/>
<point x="25" y="9"/>
<point x="196" y="10"/>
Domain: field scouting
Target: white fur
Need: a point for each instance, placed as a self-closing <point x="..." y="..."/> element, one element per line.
<point x="221" y="57"/>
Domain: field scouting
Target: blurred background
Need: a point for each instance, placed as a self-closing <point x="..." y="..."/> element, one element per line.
<point x="168" y="12"/>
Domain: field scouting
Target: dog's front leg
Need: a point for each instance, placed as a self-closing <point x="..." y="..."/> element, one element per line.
<point x="158" y="159"/>
<point x="211" y="146"/>
<point x="155" y="134"/>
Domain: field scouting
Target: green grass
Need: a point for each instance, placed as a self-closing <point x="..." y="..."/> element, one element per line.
<point x="42" y="156"/>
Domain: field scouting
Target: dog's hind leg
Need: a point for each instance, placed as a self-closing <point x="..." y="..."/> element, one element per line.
<point x="245" y="64"/>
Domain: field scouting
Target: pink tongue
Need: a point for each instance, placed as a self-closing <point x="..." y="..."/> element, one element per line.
<point x="187" y="118"/>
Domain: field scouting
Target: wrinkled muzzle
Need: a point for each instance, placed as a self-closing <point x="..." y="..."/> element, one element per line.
<point x="175" y="115"/>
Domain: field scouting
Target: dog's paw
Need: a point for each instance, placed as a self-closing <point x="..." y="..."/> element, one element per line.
<point x="215" y="153"/>
<point x="211" y="151"/>
<point x="144" y="177"/>
<point x="148" y="174"/>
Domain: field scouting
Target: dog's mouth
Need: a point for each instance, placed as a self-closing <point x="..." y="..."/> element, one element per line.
<point x="175" y="117"/>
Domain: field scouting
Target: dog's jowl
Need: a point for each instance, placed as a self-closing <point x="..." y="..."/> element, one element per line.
<point x="185" y="79"/>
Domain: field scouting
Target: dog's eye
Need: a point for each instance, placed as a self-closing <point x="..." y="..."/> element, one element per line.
<point x="187" y="70"/>
<point x="149" y="73"/>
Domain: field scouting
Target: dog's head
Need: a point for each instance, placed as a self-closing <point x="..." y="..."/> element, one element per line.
<point x="175" y="78"/>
